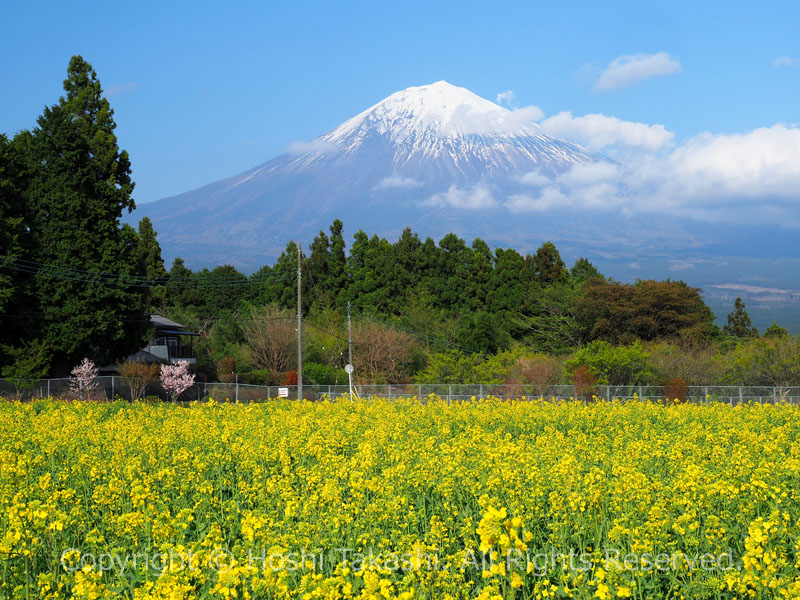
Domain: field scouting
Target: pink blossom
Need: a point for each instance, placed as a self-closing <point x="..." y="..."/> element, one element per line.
<point x="176" y="379"/>
<point x="83" y="379"/>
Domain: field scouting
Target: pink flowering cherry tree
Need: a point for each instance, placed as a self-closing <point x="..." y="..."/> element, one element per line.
<point x="83" y="380"/>
<point x="176" y="379"/>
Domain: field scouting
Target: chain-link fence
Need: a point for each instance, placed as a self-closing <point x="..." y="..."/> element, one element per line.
<point x="115" y="387"/>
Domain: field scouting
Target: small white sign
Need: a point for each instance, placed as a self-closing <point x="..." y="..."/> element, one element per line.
<point x="283" y="392"/>
<point x="348" y="369"/>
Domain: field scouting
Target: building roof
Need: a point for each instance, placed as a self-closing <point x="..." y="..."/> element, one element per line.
<point x="162" y="322"/>
<point x="165" y="325"/>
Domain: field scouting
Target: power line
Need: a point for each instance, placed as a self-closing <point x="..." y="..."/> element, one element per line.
<point x="196" y="280"/>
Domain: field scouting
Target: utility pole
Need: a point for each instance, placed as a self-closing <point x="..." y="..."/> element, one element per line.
<point x="349" y="352"/>
<point x="299" y="322"/>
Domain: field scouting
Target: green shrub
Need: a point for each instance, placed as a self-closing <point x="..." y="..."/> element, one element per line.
<point x="259" y="377"/>
<point x="318" y="374"/>
<point x="615" y="365"/>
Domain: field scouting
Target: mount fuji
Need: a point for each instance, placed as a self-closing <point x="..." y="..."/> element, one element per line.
<point x="436" y="158"/>
<point x="440" y="159"/>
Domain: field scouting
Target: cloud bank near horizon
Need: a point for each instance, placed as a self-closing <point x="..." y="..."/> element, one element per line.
<point x="749" y="177"/>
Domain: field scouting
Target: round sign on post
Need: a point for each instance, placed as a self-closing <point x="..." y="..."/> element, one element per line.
<point x="348" y="368"/>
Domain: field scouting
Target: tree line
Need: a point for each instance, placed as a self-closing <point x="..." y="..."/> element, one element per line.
<point x="454" y="312"/>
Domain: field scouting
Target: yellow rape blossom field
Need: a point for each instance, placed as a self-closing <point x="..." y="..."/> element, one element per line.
<point x="487" y="499"/>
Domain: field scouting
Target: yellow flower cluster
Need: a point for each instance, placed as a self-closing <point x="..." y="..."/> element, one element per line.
<point x="399" y="499"/>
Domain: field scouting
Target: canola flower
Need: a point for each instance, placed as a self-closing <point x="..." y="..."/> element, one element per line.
<point x="486" y="499"/>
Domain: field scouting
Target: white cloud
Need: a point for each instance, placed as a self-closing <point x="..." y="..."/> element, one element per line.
<point x="761" y="164"/>
<point x="590" y="174"/>
<point x="596" y="132"/>
<point x="476" y="198"/>
<point x="500" y="121"/>
<point x="535" y="178"/>
<point x="752" y="177"/>
<point x="315" y="146"/>
<point x="522" y="117"/>
<point x="508" y="98"/>
<point x="548" y="199"/>
<point x="589" y="186"/>
<point x="630" y="68"/>
<point x="785" y="61"/>
<point x="397" y="181"/>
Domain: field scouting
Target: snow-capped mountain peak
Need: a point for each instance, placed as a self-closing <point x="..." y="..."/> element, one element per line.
<point x="439" y="109"/>
<point x="419" y="156"/>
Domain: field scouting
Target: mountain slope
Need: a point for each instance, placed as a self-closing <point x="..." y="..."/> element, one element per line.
<point x="432" y="157"/>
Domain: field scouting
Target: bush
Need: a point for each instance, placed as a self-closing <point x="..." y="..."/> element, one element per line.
<point x="138" y="376"/>
<point x="675" y="388"/>
<point x="696" y="364"/>
<point x="317" y="374"/>
<point x="382" y="354"/>
<point x="615" y="365"/>
<point x="226" y="370"/>
<point x="456" y="367"/>
<point x="259" y="377"/>
<point x="772" y="361"/>
<point x="540" y="371"/>
<point x="585" y="383"/>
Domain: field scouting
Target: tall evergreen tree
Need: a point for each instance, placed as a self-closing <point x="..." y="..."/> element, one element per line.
<point x="406" y="252"/>
<point x="222" y="289"/>
<point x="480" y="273"/>
<point x="373" y="275"/>
<point x="337" y="264"/>
<point x="183" y="290"/>
<point x="11" y="219"/>
<point x="583" y="271"/>
<point x="548" y="267"/>
<point x="508" y="289"/>
<point x="455" y="260"/>
<point x="80" y="186"/>
<point x="739" y="324"/>
<point x="150" y="251"/>
<point x="317" y="271"/>
<point x="152" y="263"/>
<point x="279" y="284"/>
<point x="12" y="240"/>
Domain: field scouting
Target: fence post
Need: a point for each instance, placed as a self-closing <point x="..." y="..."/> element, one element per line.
<point x="419" y="393"/>
<point x="608" y="393"/>
<point x="237" y="389"/>
<point x="450" y="394"/>
<point x="269" y="387"/>
<point x="113" y="389"/>
<point x="48" y="388"/>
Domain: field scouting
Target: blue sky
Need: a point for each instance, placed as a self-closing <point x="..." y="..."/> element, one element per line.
<point x="203" y="91"/>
